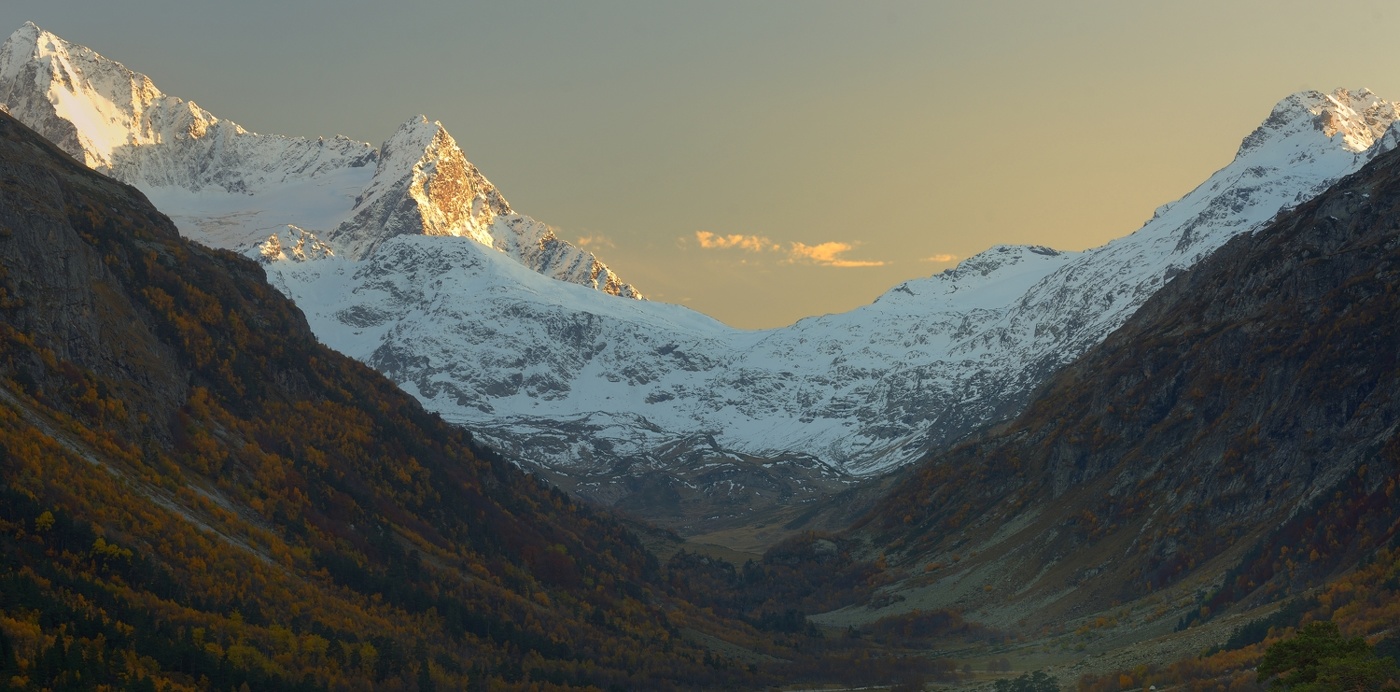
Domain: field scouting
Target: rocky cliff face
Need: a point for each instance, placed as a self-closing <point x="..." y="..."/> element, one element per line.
<point x="54" y="284"/>
<point x="1240" y="430"/>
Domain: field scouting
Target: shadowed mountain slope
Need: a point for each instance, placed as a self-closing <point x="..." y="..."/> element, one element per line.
<point x="1239" y="430"/>
<point x="195" y="493"/>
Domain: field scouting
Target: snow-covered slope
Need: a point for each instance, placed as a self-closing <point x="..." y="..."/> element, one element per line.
<point x="594" y="387"/>
<point x="228" y="187"/>
<point x="577" y="384"/>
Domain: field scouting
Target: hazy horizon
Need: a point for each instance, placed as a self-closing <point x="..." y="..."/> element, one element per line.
<point x="761" y="163"/>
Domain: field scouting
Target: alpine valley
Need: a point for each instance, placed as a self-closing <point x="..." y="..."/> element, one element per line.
<point x="406" y="258"/>
<point x="264" y="403"/>
<point x="196" y="495"/>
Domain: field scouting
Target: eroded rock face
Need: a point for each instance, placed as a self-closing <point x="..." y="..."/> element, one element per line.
<point x="68" y="291"/>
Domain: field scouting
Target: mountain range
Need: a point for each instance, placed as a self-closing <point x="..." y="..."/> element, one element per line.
<point x="406" y="258"/>
<point x="1197" y="447"/>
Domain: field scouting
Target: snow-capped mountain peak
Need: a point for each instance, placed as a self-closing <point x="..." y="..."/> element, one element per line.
<point x="97" y="104"/>
<point x="117" y="121"/>
<point x="424" y="184"/>
<point x="1355" y="119"/>
<point x="228" y="187"/>
<point x="1359" y="117"/>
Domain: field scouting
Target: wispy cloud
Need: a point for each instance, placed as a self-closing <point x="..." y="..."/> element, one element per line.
<point x="828" y="254"/>
<point x="752" y="243"/>
<point x="595" y="241"/>
<point x="941" y="258"/>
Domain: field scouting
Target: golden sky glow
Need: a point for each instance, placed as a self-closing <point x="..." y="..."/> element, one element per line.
<point x="765" y="161"/>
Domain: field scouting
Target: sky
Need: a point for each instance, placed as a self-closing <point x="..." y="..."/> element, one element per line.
<point x="766" y="161"/>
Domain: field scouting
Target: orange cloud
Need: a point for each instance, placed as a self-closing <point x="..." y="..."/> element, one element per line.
<point x="941" y="257"/>
<point x="752" y="243"/>
<point x="828" y="255"/>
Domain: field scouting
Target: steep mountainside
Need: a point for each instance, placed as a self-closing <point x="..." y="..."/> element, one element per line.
<point x="1241" y="432"/>
<point x="631" y="402"/>
<point x="195" y="493"/>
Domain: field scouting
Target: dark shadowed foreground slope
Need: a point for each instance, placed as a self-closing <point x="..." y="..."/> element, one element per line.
<point x="194" y="492"/>
<point x="1239" y="430"/>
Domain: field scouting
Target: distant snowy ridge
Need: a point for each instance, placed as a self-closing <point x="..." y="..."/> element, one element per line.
<point x="228" y="187"/>
<point x="1309" y="141"/>
<point x="594" y="387"/>
<point x="580" y="385"/>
